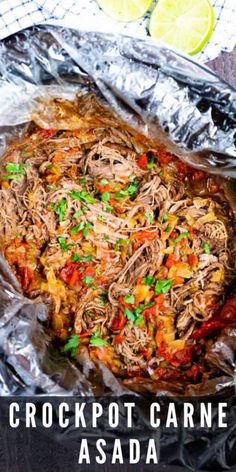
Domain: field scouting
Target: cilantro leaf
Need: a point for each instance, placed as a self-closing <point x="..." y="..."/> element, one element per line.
<point x="83" y="196"/>
<point x="97" y="341"/>
<point x="105" y="197"/>
<point x="206" y="248"/>
<point x="130" y="190"/>
<point x="88" y="280"/>
<point x="15" y="168"/>
<point x="149" y="217"/>
<point x="129" y="314"/>
<point x="129" y="299"/>
<point x="77" y="228"/>
<point x="63" y="244"/>
<point x="61" y="209"/>
<point x="181" y="236"/>
<point x="163" y="286"/>
<point x="72" y="345"/>
<point x="87" y="228"/>
<point x="149" y="280"/>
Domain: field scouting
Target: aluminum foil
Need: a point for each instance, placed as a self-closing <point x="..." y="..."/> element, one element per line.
<point x="164" y="95"/>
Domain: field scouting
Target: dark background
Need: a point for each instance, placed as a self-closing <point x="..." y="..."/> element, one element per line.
<point x="25" y="453"/>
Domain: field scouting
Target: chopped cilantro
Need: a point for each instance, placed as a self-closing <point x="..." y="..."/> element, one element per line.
<point x="61" y="209"/>
<point x="129" y="314"/>
<point x="83" y="196"/>
<point x="63" y="244"/>
<point x="77" y="228"/>
<point x="108" y="208"/>
<point x="78" y="213"/>
<point x="103" y="182"/>
<point x="139" y="320"/>
<point x="163" y="286"/>
<point x="129" y="299"/>
<point x="149" y="217"/>
<point x="88" y="280"/>
<point x="78" y="258"/>
<point x="149" y="280"/>
<point x="130" y="190"/>
<point x="72" y="345"/>
<point x="181" y="236"/>
<point x="105" y="197"/>
<point x="151" y="162"/>
<point x="206" y="248"/>
<point x="83" y="180"/>
<point x="87" y="228"/>
<point x="97" y="341"/>
<point x="15" y="168"/>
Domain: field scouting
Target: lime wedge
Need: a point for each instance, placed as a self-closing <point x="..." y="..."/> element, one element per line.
<point x="125" y="10"/>
<point x="186" y="25"/>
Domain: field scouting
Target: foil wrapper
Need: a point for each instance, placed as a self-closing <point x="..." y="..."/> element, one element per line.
<point x="166" y="96"/>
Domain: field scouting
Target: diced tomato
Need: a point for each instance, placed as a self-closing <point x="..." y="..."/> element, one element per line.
<point x="142" y="161"/>
<point x="228" y="313"/>
<point x="166" y="374"/>
<point x="70" y="275"/>
<point x="26" y="276"/>
<point x="119" y="322"/>
<point x="164" y="157"/>
<point x="178" y="280"/>
<point x="118" y="339"/>
<point x="183" y="169"/>
<point x="193" y="372"/>
<point x="160" y="300"/>
<point x="192" y="260"/>
<point x="47" y="133"/>
<point x="143" y="236"/>
<point x="159" y="337"/>
<point x="198" y="175"/>
<point x="171" y="261"/>
<point x="180" y="357"/>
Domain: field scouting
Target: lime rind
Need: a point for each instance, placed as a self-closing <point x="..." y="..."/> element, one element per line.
<point x="198" y="27"/>
<point x="125" y="10"/>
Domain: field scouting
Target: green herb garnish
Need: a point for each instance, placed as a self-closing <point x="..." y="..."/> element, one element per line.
<point x="129" y="314"/>
<point x="78" y="213"/>
<point x="149" y="217"/>
<point x="87" y="228"/>
<point x="105" y="197"/>
<point x="78" y="258"/>
<point x="103" y="182"/>
<point x="83" y="180"/>
<point x="15" y="168"/>
<point x="206" y="248"/>
<point x="77" y="228"/>
<point x="139" y="320"/>
<point x="151" y="162"/>
<point x="83" y="196"/>
<point x="72" y="345"/>
<point x="181" y="236"/>
<point x="108" y="208"/>
<point x="63" y="244"/>
<point x="130" y="190"/>
<point x="149" y="280"/>
<point x="88" y="280"/>
<point x="129" y="299"/>
<point x="97" y="341"/>
<point x="163" y="286"/>
<point x="61" y="209"/>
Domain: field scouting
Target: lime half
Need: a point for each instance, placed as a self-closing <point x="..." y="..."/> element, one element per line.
<point x="125" y="10"/>
<point x="186" y="25"/>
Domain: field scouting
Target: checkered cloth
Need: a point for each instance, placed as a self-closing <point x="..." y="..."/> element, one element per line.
<point x="86" y="14"/>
